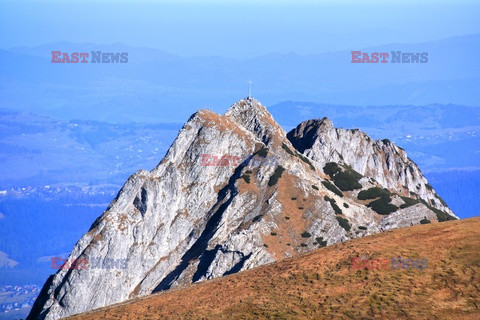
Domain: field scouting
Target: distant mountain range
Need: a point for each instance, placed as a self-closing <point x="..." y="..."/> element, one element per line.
<point x="161" y="87"/>
<point x="37" y="151"/>
<point x="6" y="262"/>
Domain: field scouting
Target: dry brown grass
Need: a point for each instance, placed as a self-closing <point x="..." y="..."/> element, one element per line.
<point x="320" y="284"/>
<point x="290" y="222"/>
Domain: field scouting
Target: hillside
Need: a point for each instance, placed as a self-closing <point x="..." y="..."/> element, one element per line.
<point x="321" y="284"/>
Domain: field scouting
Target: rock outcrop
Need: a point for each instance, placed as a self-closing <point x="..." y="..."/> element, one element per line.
<point x="381" y="160"/>
<point x="186" y="221"/>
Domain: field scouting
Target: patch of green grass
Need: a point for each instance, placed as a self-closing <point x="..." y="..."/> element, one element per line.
<point x="263" y="152"/>
<point x="321" y="242"/>
<point x="346" y="179"/>
<point x="441" y="215"/>
<point x="344" y="223"/>
<point x="306" y="160"/>
<point x="257" y="218"/>
<point x="275" y="176"/>
<point x="330" y="186"/>
<point x="334" y="205"/>
<point x="306" y="234"/>
<point x="287" y="149"/>
<point x="345" y="205"/>
<point x="425" y="221"/>
<point x="408" y="202"/>
<point x="373" y="193"/>
<point x="382" y="206"/>
<point x="246" y="177"/>
<point x="331" y="168"/>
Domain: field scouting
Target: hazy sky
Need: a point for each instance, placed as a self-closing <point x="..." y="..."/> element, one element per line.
<point x="235" y="28"/>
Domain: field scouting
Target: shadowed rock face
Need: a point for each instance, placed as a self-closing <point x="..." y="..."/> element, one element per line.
<point x="184" y="222"/>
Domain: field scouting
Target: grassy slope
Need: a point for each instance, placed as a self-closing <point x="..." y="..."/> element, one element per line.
<point x="320" y="284"/>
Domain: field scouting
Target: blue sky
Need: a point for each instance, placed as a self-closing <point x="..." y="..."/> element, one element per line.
<point x="238" y="28"/>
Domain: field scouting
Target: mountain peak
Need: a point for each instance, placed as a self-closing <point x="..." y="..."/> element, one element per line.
<point x="233" y="193"/>
<point x="247" y="109"/>
<point x="246" y="103"/>
<point x="254" y="117"/>
<point x="307" y="132"/>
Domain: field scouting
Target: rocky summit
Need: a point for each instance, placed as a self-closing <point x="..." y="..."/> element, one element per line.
<point x="234" y="192"/>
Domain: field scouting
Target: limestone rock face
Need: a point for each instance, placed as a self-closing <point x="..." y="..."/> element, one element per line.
<point x="381" y="160"/>
<point x="268" y="198"/>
